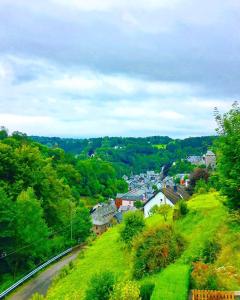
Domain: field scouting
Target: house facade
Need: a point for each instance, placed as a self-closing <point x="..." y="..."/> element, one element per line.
<point x="129" y="198"/>
<point x="169" y="195"/>
<point x="158" y="199"/>
<point x="102" y="216"/>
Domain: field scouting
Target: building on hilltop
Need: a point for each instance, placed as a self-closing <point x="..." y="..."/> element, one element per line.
<point x="210" y="159"/>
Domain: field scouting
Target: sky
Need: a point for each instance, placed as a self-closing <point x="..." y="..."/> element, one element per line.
<point x="77" y="68"/>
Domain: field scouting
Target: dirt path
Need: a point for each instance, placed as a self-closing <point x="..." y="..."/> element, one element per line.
<point x="42" y="282"/>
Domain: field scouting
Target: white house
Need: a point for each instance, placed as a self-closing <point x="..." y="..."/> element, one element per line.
<point x="157" y="199"/>
<point x="168" y="196"/>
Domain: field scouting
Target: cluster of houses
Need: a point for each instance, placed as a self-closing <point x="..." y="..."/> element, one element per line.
<point x="145" y="191"/>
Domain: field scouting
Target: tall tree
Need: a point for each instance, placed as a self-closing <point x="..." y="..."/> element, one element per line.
<point x="229" y="154"/>
<point x="31" y="231"/>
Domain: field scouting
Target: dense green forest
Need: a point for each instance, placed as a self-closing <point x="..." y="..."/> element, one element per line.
<point x="42" y="191"/>
<point x="133" y="154"/>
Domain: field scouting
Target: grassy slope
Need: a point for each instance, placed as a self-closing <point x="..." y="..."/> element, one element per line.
<point x="105" y="254"/>
<point x="205" y="219"/>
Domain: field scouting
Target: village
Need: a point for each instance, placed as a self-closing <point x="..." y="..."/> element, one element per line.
<point x="146" y="190"/>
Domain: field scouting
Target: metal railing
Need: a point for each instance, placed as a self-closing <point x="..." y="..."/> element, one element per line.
<point x="19" y="282"/>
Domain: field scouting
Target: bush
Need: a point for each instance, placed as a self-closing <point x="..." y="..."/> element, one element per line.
<point x="181" y="210"/>
<point x="155" y="249"/>
<point x="146" y="290"/>
<point x="126" y="291"/>
<point x="210" y="251"/>
<point x="133" y="224"/>
<point x="203" y="277"/>
<point x="138" y="204"/>
<point x="182" y="205"/>
<point x="100" y="286"/>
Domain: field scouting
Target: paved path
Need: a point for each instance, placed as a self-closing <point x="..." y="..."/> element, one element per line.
<point x="42" y="282"/>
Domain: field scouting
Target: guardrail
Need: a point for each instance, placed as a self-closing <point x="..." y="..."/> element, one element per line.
<point x="19" y="282"/>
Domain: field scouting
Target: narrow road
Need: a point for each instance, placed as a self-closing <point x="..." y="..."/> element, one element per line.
<point x="42" y="282"/>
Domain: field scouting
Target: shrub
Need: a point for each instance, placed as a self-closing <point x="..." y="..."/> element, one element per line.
<point x="146" y="290"/>
<point x="128" y="290"/>
<point x="155" y="249"/>
<point x="180" y="210"/>
<point x="138" y="204"/>
<point x="210" y="251"/>
<point x="182" y="206"/>
<point x="203" y="277"/>
<point x="133" y="224"/>
<point x="100" y="286"/>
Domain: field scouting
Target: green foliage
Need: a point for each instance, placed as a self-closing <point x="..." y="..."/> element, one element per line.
<point x="3" y="133"/>
<point x="100" y="286"/>
<point x="82" y="224"/>
<point x="133" y="224"/>
<point x="163" y="209"/>
<point x="134" y="154"/>
<point x="210" y="251"/>
<point x="180" y="167"/>
<point x="203" y="277"/>
<point x="198" y="179"/>
<point x="126" y="291"/>
<point x="146" y="290"/>
<point x="40" y="189"/>
<point x="180" y="210"/>
<point x="228" y="146"/>
<point x="30" y="230"/>
<point x="155" y="249"/>
<point x="138" y="204"/>
<point x="201" y="187"/>
<point x="183" y="208"/>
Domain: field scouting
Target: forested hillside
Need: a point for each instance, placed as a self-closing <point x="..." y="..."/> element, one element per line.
<point x="132" y="154"/>
<point x="42" y="192"/>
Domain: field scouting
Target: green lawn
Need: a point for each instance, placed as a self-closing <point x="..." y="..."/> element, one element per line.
<point x="205" y="219"/>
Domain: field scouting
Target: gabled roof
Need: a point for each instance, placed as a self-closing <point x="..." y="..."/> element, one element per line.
<point x="171" y="195"/>
<point x="133" y="195"/>
<point x="103" y="214"/>
<point x="210" y="153"/>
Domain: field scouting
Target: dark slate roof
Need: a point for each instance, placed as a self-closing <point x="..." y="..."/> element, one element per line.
<point x="171" y="195"/>
<point x="133" y="195"/>
<point x="103" y="214"/>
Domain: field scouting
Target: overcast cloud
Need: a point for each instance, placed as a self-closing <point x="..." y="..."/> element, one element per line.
<point x="114" y="67"/>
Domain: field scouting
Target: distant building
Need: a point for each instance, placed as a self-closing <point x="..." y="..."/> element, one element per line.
<point x="210" y="159"/>
<point x="102" y="215"/>
<point x="130" y="197"/>
<point x="195" y="160"/>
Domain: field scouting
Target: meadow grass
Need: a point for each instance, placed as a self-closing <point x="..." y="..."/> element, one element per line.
<point x="106" y="253"/>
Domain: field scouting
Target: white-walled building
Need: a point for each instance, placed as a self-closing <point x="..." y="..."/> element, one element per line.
<point x="158" y="199"/>
<point x="168" y="196"/>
